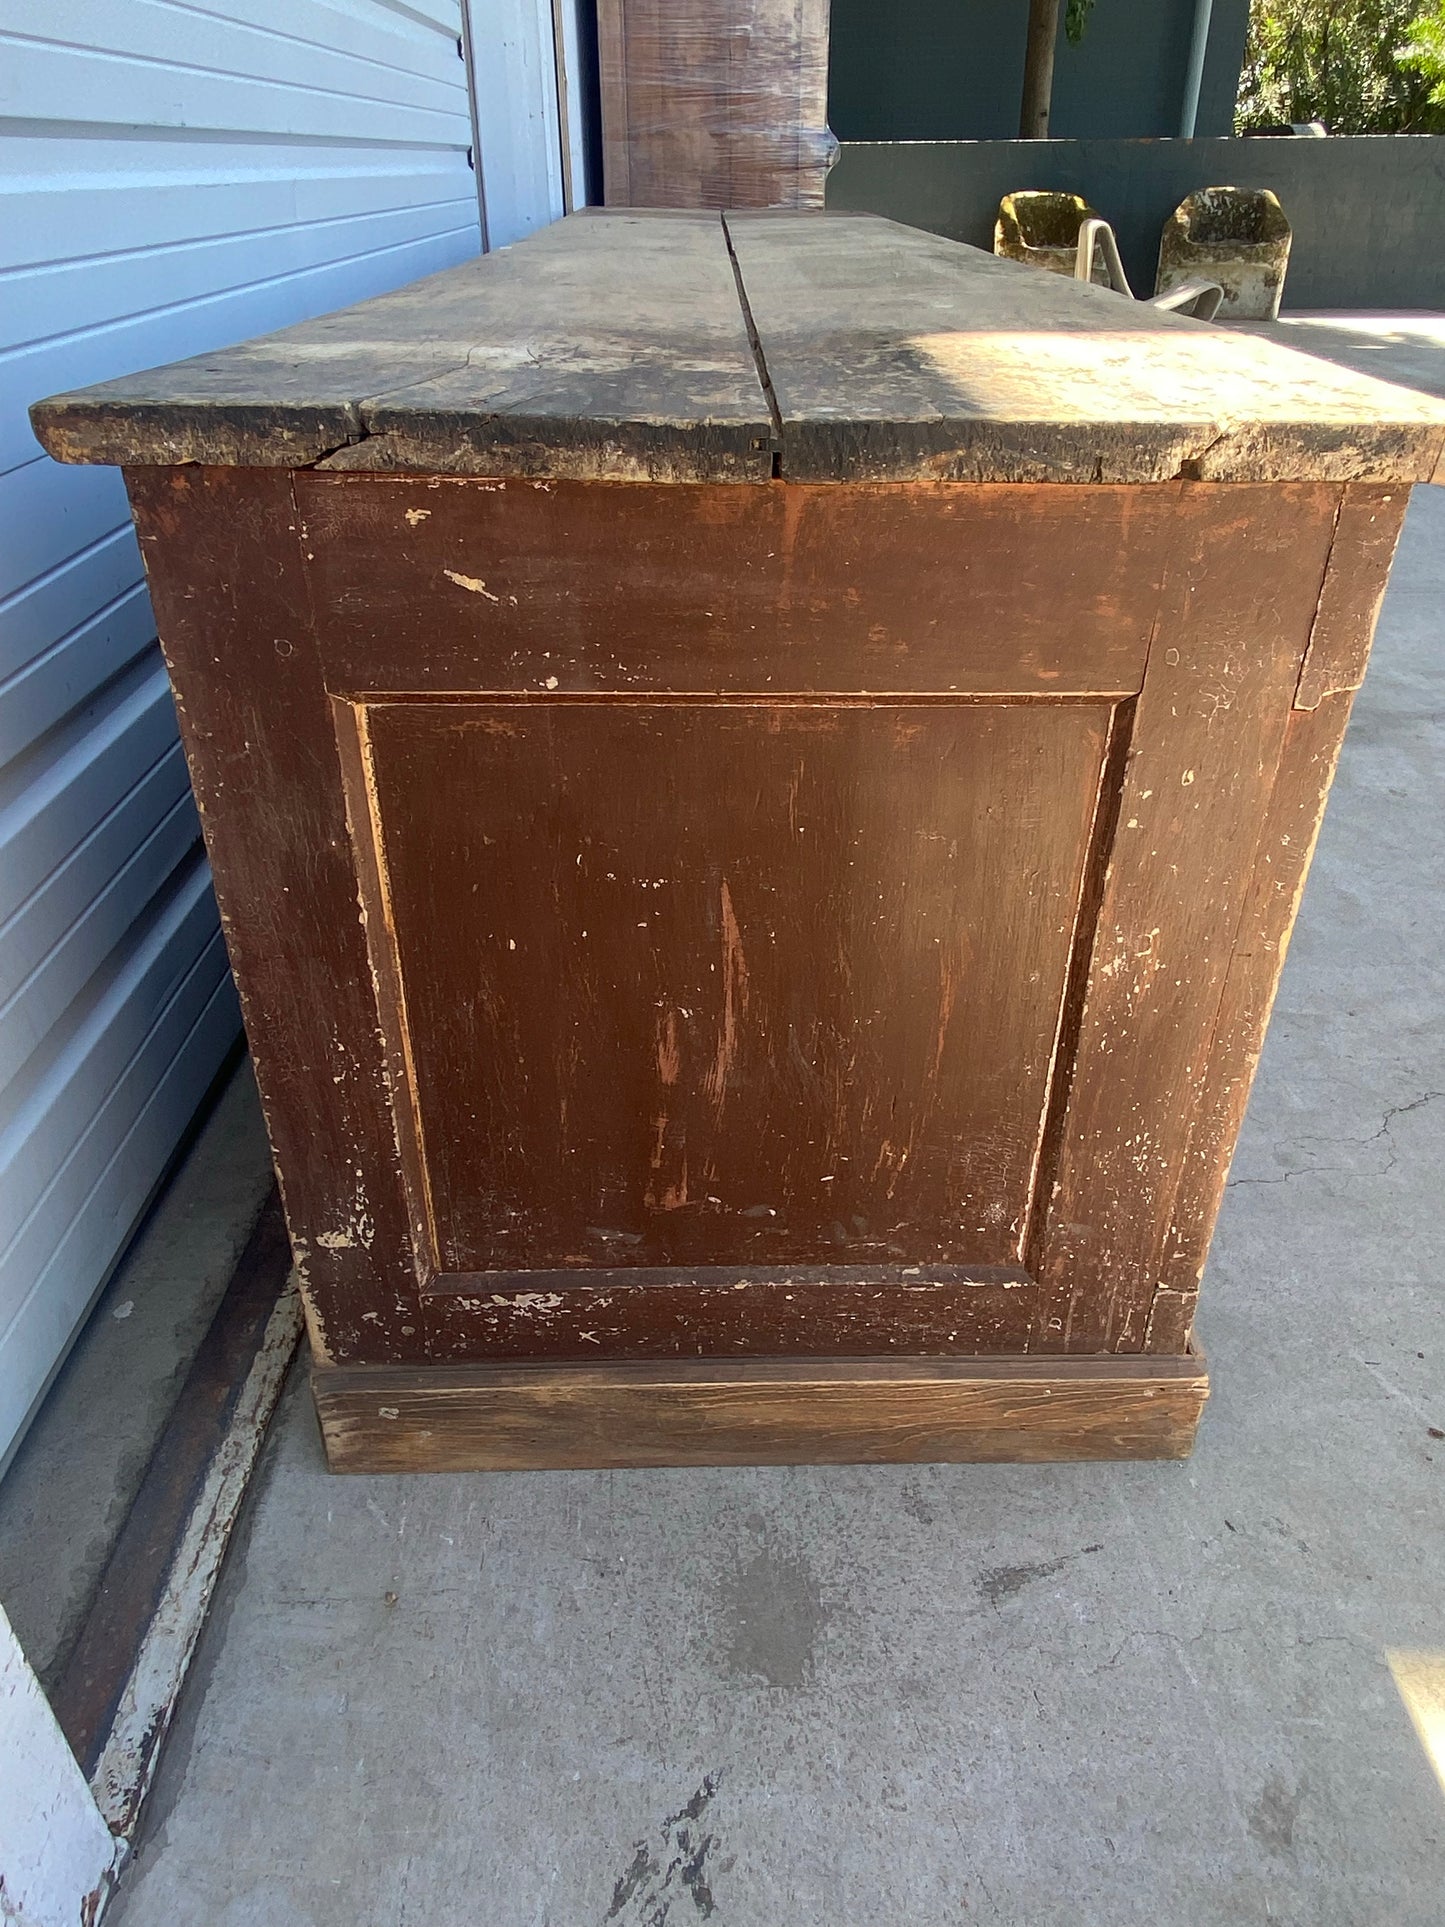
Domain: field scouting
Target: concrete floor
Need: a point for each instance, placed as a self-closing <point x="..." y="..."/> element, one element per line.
<point x="1048" y="1697"/>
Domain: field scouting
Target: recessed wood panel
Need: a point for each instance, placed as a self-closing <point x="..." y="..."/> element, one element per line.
<point x="727" y="983"/>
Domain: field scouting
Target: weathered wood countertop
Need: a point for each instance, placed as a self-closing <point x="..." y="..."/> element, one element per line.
<point x="658" y="346"/>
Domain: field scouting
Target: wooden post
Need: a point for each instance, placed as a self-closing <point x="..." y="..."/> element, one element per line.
<point x="1039" y="70"/>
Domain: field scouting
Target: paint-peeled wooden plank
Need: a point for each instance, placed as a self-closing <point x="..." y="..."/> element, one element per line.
<point x="1364" y="547"/>
<point x="896" y="355"/>
<point x="817" y="1411"/>
<point x="1286" y="846"/>
<point x="1208" y="732"/>
<point x="1364" y="542"/>
<point x="603" y="346"/>
<point x="56" y="1852"/>
<point x="845" y="1310"/>
<point x="684" y="1017"/>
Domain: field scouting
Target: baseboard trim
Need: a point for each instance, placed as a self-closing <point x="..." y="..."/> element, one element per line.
<point x="792" y="1411"/>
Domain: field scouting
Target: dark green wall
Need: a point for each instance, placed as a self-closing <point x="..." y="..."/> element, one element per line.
<point x="1368" y="211"/>
<point x="952" y="69"/>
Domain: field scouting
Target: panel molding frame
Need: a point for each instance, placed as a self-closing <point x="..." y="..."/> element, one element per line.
<point x="590" y="1289"/>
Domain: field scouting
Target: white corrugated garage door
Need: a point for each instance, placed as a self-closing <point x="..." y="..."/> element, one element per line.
<point x="175" y="175"/>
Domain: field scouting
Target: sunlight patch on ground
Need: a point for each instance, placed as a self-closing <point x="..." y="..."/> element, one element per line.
<point x="1420" y="1679"/>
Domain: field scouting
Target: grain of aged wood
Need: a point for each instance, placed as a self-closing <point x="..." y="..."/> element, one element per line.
<point x="758" y="774"/>
<point x="602" y="346"/>
<point x="501" y="1418"/>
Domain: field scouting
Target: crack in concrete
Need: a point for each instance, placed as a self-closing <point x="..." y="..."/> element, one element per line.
<point x="1346" y="1170"/>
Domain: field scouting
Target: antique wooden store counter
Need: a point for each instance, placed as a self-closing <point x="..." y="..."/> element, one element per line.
<point x="758" y="772"/>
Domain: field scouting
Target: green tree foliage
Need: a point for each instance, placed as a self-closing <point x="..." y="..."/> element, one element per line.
<point x="1425" y="51"/>
<point x="1360" y="66"/>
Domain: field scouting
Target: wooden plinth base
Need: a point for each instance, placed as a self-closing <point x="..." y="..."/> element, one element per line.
<point x="775" y="1411"/>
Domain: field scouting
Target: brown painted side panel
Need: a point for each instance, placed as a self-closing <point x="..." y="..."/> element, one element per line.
<point x="452" y="585"/>
<point x="1366" y="533"/>
<point x="1209" y="728"/>
<point x="936" y="849"/>
<point x="730" y="983"/>
<point x="226" y="580"/>
<point x="1306" y="769"/>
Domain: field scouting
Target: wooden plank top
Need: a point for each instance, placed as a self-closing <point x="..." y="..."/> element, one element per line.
<point x="677" y="346"/>
<point x="598" y="347"/>
<point x="896" y="355"/>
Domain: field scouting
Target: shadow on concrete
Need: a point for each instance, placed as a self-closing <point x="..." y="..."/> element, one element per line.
<point x="1404" y="348"/>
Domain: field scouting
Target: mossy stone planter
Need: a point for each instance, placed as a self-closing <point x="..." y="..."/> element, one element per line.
<point x="1042" y="228"/>
<point x="1237" y="236"/>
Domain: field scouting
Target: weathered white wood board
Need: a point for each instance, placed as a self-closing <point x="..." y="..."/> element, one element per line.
<point x="56" y="1852"/>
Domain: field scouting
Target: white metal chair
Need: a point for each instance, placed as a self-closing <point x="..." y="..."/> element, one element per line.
<point x="1198" y="298"/>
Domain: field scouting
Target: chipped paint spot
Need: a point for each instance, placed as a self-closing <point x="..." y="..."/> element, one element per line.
<point x="669" y="1052"/>
<point x="735" y="1001"/>
<point x="471" y="583"/>
<point x="417" y="515"/>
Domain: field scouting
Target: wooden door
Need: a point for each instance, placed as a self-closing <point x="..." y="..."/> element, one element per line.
<point x="793" y="920"/>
